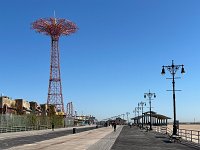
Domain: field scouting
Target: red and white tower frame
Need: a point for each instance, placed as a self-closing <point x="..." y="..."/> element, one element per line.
<point x="55" y="27"/>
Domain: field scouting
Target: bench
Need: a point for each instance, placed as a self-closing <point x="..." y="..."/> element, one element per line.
<point x="147" y="128"/>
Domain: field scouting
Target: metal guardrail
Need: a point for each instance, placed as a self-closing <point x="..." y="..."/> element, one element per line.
<point x="162" y="129"/>
<point x="21" y="128"/>
<point x="41" y="127"/>
<point x="192" y="136"/>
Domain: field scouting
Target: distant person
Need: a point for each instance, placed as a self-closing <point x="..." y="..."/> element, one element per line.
<point x="112" y="124"/>
<point x="115" y="125"/>
<point x="106" y="124"/>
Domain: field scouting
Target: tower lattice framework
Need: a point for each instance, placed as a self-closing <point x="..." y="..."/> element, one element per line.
<point x="55" y="28"/>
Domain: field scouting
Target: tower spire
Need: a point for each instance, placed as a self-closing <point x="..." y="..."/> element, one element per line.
<point x="54" y="14"/>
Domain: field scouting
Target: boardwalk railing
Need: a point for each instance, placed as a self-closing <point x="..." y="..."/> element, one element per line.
<point x="192" y="136"/>
<point x="162" y="129"/>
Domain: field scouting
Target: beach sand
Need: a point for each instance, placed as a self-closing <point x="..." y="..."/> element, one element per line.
<point x="186" y="126"/>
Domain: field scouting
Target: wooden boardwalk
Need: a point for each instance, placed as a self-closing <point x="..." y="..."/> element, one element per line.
<point x="135" y="139"/>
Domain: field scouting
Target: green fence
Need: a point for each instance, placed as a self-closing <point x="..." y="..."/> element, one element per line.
<point x="15" y="123"/>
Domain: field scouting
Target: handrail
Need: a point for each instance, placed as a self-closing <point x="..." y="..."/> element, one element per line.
<point x="187" y="135"/>
<point x="162" y="129"/>
<point x="190" y="135"/>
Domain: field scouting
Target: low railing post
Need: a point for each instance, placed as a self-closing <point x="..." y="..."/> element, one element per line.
<point x="191" y="135"/>
<point x="198" y="137"/>
<point x="185" y="135"/>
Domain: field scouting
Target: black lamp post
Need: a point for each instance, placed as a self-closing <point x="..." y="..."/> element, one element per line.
<point x="137" y="114"/>
<point x="149" y="95"/>
<point x="135" y="111"/>
<point x="127" y="113"/>
<point x="142" y="104"/>
<point x="173" y="69"/>
<point x="138" y="111"/>
<point x="123" y="117"/>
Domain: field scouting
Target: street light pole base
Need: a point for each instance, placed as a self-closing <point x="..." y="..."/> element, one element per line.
<point x="174" y="130"/>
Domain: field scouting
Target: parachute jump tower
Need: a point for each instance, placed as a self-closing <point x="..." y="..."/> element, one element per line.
<point x="54" y="27"/>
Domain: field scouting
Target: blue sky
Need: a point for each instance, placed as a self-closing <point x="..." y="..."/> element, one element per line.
<point x="112" y="60"/>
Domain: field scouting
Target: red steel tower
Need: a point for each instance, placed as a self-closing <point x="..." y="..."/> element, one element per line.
<point x="55" y="28"/>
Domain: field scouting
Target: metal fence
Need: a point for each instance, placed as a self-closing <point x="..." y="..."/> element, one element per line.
<point x="191" y="136"/>
<point x="16" y="123"/>
<point x="162" y="129"/>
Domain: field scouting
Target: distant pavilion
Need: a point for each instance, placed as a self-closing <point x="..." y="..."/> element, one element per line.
<point x="156" y="119"/>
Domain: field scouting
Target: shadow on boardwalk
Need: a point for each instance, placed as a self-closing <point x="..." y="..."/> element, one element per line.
<point x="6" y="143"/>
<point x="135" y="139"/>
